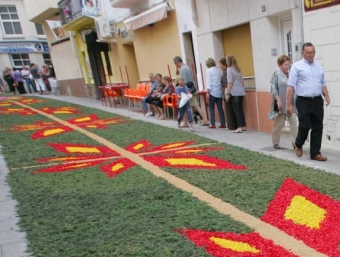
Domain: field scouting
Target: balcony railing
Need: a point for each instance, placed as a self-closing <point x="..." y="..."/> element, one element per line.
<point x="72" y="9"/>
<point x="249" y="82"/>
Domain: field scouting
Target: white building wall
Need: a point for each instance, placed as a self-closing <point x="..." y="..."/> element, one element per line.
<point x="186" y="24"/>
<point x="29" y="35"/>
<point x="322" y="28"/>
<point x="264" y="18"/>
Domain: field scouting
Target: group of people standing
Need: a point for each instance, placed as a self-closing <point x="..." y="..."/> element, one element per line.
<point x="298" y="91"/>
<point x="36" y="79"/>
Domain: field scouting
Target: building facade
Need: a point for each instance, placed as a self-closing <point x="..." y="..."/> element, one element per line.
<point x="21" y="42"/>
<point x="145" y="35"/>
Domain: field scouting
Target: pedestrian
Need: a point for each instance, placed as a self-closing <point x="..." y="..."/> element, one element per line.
<point x="37" y="76"/>
<point x="184" y="71"/>
<point x="279" y="89"/>
<point x="307" y="79"/>
<point x="235" y="90"/>
<point x="26" y="75"/>
<point x="228" y="106"/>
<point x="18" y="81"/>
<point x="7" y="76"/>
<point x="183" y="90"/>
<point x="214" y="92"/>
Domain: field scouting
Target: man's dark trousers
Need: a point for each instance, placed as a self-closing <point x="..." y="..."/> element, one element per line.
<point x="310" y="113"/>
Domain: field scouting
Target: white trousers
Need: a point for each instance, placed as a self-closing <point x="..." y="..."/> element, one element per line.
<point x="39" y="83"/>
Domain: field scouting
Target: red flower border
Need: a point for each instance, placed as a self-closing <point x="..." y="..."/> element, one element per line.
<point x="266" y="247"/>
<point x="327" y="238"/>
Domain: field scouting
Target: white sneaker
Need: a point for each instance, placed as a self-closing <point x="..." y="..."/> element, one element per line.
<point x="148" y="114"/>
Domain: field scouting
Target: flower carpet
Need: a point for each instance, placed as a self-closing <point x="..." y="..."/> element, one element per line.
<point x="91" y="183"/>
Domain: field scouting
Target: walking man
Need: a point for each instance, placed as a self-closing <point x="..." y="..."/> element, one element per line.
<point x="306" y="77"/>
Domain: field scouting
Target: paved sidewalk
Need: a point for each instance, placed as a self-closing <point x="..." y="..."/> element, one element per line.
<point x="12" y="242"/>
<point x="252" y="140"/>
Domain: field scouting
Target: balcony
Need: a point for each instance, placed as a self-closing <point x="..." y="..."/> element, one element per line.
<point x="40" y="10"/>
<point x="75" y="14"/>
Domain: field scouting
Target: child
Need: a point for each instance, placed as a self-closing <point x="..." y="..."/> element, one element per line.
<point x="186" y="108"/>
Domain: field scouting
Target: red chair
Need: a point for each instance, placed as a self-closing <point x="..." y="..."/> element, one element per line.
<point x="170" y="102"/>
<point x="103" y="95"/>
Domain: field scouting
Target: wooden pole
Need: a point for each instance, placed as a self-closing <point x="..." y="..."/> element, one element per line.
<point x="127" y="75"/>
<point x="121" y="74"/>
<point x="169" y="73"/>
<point x="193" y="72"/>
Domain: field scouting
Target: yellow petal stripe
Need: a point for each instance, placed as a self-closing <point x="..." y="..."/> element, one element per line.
<point x="61" y="112"/>
<point x="117" y="167"/>
<point x="304" y="212"/>
<point x="83" y="119"/>
<point x="234" y="246"/>
<point x="50" y="132"/>
<point x="138" y="146"/>
<point x="72" y="149"/>
<point x="173" y="145"/>
<point x="190" y="151"/>
<point x="189" y="161"/>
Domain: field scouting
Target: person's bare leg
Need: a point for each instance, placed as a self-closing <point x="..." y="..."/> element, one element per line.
<point x="161" y="113"/>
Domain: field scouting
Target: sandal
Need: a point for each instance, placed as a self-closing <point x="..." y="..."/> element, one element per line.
<point x="277" y="146"/>
<point x="192" y="130"/>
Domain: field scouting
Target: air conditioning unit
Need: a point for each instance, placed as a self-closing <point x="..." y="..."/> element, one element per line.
<point x="103" y="28"/>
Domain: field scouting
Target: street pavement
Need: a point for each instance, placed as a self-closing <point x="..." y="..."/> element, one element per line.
<point x="12" y="241"/>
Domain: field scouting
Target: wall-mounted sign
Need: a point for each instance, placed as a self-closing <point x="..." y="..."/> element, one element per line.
<point x="24" y="47"/>
<point x="57" y="29"/>
<point x="311" y="5"/>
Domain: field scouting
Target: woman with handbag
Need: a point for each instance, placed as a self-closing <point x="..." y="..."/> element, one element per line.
<point x="279" y="89"/>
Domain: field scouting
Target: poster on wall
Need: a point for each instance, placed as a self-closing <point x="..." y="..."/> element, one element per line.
<point x="90" y="8"/>
<point x="56" y="28"/>
<point x="311" y="5"/>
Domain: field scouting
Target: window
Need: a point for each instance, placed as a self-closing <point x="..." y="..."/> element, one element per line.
<point x="40" y="29"/>
<point x="20" y="60"/>
<point x="47" y="59"/>
<point x="10" y="20"/>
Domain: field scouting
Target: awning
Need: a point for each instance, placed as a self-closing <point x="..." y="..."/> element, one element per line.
<point x="148" y="17"/>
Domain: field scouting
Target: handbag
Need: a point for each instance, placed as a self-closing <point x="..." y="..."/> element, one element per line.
<point x="273" y="113"/>
<point x="274" y="108"/>
<point x="192" y="87"/>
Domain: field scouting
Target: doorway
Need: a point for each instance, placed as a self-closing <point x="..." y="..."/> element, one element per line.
<point x="286" y="35"/>
<point x="189" y="53"/>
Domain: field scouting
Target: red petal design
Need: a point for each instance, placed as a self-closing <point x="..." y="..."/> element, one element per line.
<point x="266" y="247"/>
<point x="327" y="238"/>
<point x="115" y="168"/>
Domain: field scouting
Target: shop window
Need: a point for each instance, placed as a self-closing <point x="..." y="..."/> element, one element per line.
<point x="40" y="29"/>
<point x="47" y="59"/>
<point x="10" y="20"/>
<point x="20" y="60"/>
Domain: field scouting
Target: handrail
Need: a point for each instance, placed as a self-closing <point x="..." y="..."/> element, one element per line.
<point x="249" y="82"/>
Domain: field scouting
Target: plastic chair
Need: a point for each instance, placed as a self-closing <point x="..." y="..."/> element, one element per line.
<point x="170" y="103"/>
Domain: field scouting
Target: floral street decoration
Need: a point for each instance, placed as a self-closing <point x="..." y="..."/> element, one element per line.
<point x="175" y="155"/>
<point x="79" y="156"/>
<point x="306" y="215"/>
<point x="48" y="110"/>
<point x="47" y="129"/>
<point x="60" y="110"/>
<point x="19" y="111"/>
<point x="223" y="244"/>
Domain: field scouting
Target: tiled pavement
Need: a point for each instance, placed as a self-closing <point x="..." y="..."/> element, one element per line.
<point x="12" y="242"/>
